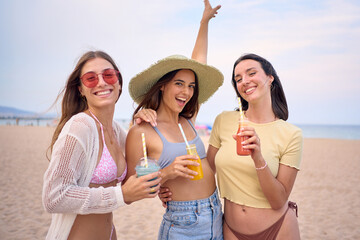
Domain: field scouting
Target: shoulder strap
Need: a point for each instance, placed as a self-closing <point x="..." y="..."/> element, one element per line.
<point x="192" y="126"/>
<point x="163" y="139"/>
<point x="101" y="127"/>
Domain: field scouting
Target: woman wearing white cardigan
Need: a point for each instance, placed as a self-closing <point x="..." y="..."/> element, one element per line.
<point x="82" y="183"/>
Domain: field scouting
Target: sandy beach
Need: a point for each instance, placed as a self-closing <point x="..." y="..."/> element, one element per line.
<point x="327" y="190"/>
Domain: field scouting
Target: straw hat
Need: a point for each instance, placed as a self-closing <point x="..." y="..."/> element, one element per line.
<point x="209" y="78"/>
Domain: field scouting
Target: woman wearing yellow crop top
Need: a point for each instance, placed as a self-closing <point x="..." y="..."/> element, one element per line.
<point x="256" y="188"/>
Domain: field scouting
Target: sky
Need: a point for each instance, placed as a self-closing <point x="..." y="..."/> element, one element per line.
<point x="313" y="45"/>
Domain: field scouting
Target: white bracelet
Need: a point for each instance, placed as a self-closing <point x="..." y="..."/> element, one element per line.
<point x="261" y="168"/>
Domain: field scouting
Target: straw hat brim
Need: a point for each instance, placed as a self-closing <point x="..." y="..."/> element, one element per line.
<point x="209" y="78"/>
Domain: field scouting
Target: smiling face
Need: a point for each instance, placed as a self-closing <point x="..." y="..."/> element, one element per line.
<point x="178" y="92"/>
<point x="251" y="81"/>
<point x="103" y="94"/>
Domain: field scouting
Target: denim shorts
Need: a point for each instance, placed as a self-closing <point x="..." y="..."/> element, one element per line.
<point x="197" y="219"/>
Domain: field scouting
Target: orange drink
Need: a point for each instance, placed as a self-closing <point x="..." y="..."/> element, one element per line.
<point x="191" y="150"/>
<point x="239" y="147"/>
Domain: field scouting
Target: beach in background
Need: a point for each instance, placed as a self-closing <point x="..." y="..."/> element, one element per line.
<point x="327" y="189"/>
<point x="309" y="131"/>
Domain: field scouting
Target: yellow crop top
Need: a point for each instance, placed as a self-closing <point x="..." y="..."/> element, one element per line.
<point x="281" y="142"/>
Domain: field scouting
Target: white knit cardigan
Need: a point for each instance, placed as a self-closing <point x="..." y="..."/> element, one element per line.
<point x="66" y="191"/>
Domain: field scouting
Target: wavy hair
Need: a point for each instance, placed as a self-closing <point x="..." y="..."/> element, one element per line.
<point x="72" y="101"/>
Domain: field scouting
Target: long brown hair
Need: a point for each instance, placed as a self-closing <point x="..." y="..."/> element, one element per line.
<point x="72" y="102"/>
<point x="152" y="98"/>
<point x="278" y="100"/>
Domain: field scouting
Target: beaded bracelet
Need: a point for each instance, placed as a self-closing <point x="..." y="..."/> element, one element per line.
<point x="261" y="168"/>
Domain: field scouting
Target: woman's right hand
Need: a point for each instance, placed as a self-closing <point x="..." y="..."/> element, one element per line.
<point x="137" y="188"/>
<point x="178" y="168"/>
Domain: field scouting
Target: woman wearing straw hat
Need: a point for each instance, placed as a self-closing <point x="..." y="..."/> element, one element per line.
<point x="256" y="187"/>
<point x="174" y="87"/>
<point x="81" y="185"/>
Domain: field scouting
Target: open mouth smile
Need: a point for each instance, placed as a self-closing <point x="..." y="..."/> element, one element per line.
<point x="181" y="101"/>
<point x="250" y="90"/>
<point x="103" y="92"/>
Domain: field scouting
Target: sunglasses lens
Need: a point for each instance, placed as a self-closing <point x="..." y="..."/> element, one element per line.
<point x="110" y="76"/>
<point x="89" y="79"/>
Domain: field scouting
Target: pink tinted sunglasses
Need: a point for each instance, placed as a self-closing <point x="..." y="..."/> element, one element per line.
<point x="91" y="79"/>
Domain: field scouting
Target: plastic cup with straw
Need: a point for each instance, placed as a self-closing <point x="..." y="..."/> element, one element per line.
<point x="239" y="139"/>
<point x="146" y="165"/>
<point x="191" y="150"/>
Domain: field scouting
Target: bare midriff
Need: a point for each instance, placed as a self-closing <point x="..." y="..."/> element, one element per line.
<point x="184" y="189"/>
<point x="245" y="219"/>
<point x="93" y="226"/>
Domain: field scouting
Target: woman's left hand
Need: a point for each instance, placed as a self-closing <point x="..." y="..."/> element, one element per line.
<point x="164" y="195"/>
<point x="209" y="11"/>
<point x="146" y="115"/>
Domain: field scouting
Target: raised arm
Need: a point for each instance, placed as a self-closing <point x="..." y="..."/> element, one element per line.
<point x="201" y="45"/>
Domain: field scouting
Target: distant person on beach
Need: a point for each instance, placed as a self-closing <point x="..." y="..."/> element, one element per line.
<point x="256" y="187"/>
<point x="82" y="185"/>
<point x="174" y="87"/>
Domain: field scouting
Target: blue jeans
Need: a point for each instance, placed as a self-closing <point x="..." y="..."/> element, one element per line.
<point x="197" y="219"/>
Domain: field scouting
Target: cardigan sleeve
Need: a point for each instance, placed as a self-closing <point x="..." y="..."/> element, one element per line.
<point x="69" y="166"/>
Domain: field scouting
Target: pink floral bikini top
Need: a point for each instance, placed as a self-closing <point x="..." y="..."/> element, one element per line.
<point x="106" y="170"/>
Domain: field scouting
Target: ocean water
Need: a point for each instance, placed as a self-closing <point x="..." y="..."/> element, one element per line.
<point x="331" y="131"/>
<point x="28" y="122"/>
<point x="47" y="122"/>
<point x="309" y="131"/>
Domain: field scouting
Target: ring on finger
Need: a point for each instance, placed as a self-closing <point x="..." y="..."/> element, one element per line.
<point x="152" y="190"/>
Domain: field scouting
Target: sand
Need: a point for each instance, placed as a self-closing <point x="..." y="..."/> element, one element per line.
<point x="327" y="190"/>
